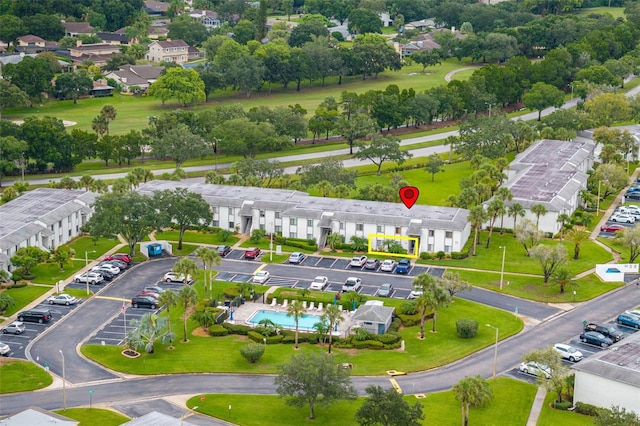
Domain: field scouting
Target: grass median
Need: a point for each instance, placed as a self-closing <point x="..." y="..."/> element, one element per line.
<point x="20" y="376"/>
<point x="94" y="416"/>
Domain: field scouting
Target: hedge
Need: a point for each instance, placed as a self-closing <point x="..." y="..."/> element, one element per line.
<point x="368" y="344"/>
<point x="387" y="339"/>
<point x="458" y="255"/>
<point x="237" y="328"/>
<point x="564" y="405"/>
<point x="586" y="409"/>
<point x="259" y="338"/>
<point x="217" y="330"/>
<point x="309" y="245"/>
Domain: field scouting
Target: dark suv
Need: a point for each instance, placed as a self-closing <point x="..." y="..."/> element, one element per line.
<point x="144" y="301"/>
<point x="251" y="253"/>
<point x="609" y="331"/>
<point x="40" y="315"/>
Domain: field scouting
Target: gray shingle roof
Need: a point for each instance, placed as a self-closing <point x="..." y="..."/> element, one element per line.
<point x="373" y="313"/>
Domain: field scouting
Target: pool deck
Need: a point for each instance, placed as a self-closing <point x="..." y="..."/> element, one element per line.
<point x="242" y="314"/>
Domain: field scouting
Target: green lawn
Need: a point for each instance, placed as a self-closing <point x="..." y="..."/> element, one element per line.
<point x="616" y="12"/>
<point x="196" y="237"/>
<point x="532" y="288"/>
<point x="49" y="273"/>
<point x="20" y="376"/>
<point x="510" y="406"/>
<point x="23" y="296"/>
<point x="516" y="259"/>
<point x="222" y="354"/>
<point x="94" y="416"/>
<point x="551" y="417"/>
<point x="93" y="249"/>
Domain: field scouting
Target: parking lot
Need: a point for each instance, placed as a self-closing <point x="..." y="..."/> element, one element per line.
<point x="625" y="216"/>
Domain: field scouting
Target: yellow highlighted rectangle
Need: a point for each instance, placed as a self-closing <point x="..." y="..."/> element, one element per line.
<point x="396" y="386"/>
<point x="383" y="237"/>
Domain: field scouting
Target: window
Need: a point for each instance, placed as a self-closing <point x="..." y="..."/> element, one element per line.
<point x="278" y="229"/>
<point x="309" y="236"/>
<point x="214" y="210"/>
<point x="448" y="234"/>
<point x="430" y="248"/>
<point x="215" y="223"/>
<point x="293" y="235"/>
<point x="398" y="230"/>
<point x="342" y="226"/>
<point x="310" y="223"/>
<point x="167" y="59"/>
<point x="380" y="229"/>
<point x="278" y="215"/>
<point x="359" y="227"/>
<point x="261" y="213"/>
<point x="432" y="233"/>
<point x="231" y="225"/>
<point x="262" y="226"/>
<point x="447" y="249"/>
<point x="293" y="221"/>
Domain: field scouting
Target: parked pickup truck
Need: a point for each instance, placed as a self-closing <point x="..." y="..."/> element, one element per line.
<point x="609" y="331"/>
<point x="403" y="266"/>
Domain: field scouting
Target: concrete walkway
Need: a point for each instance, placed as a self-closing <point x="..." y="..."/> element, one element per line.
<point x="538" y="403"/>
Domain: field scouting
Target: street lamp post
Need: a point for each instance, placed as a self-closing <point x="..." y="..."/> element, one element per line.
<point x="598" y="201"/>
<point x="64" y="383"/>
<point x="504" y="253"/>
<point x="86" y="264"/>
<point x="495" y="352"/>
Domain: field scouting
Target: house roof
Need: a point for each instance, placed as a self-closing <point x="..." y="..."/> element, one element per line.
<point x="30" y="38"/>
<point x="165" y="44"/>
<point x="373" y="313"/>
<point x="36" y="416"/>
<point x="199" y="13"/>
<point x="95" y="47"/>
<point x="78" y="27"/>
<point x="155" y="418"/>
<point x="121" y="37"/>
<point x="302" y="205"/>
<point x="156" y="6"/>
<point x="148" y="72"/>
<point x="620" y="363"/>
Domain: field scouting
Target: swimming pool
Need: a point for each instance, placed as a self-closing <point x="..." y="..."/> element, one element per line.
<point x="305" y="322"/>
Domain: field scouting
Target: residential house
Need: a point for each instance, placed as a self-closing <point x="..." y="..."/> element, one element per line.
<point x="34" y="44"/>
<point x="139" y="76"/>
<point x="156" y="418"/>
<point x="551" y="173"/>
<point x="296" y="214"/>
<point x="168" y="51"/>
<point x="101" y="89"/>
<point x="44" y="217"/>
<point x="113" y="38"/>
<point x="424" y="41"/>
<point x="14" y="58"/>
<point x="386" y="19"/>
<point x="421" y="25"/>
<point x="98" y="53"/>
<point x="193" y="53"/>
<point x="75" y="29"/>
<point x="374" y="317"/>
<point x="155" y="8"/>
<point x="36" y="416"/>
<point x="610" y="377"/>
<point x="207" y="18"/>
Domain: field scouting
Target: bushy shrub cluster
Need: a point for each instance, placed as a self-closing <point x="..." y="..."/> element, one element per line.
<point x="243" y="330"/>
<point x="217" y="330"/>
<point x="586" y="409"/>
<point x="467" y="328"/>
<point x="258" y="338"/>
<point x="459" y="255"/>
<point x="252" y="352"/>
<point x="309" y="245"/>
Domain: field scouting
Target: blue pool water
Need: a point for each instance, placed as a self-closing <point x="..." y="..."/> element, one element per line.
<point x="305" y="322"/>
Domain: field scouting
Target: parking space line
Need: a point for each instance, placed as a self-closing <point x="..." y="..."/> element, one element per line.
<point x="261" y="267"/>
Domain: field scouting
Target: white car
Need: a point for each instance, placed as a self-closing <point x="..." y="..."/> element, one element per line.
<point x="62" y="299"/>
<point x="568" y="352"/>
<point x="175" y="277"/>
<point x="535" y="369"/>
<point x="358" y="261"/>
<point x="622" y="217"/>
<point x="296" y="257"/>
<point x="635" y="312"/>
<point x="4" y="349"/>
<point x="261" y="277"/>
<point x="352" y="284"/>
<point x="107" y="267"/>
<point x="319" y="283"/>
<point x="415" y="293"/>
<point x="90" y="277"/>
<point x="388" y="265"/>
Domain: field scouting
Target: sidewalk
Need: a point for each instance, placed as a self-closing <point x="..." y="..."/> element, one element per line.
<point x="538" y="403"/>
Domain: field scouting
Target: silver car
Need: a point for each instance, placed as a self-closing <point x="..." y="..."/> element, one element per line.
<point x="16" y="327"/>
<point x="4" y="349"/>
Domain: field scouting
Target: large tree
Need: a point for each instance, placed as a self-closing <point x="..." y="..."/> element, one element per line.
<point x="354" y="128"/>
<point x="550" y="258"/>
<point x="179" y="144"/>
<point x="32" y="75"/>
<point x="382" y="149"/>
<point x="28" y="257"/>
<point x="328" y="169"/>
<point x="528" y="234"/>
<point x="363" y="21"/>
<point x="49" y="142"/>
<point x="472" y="392"/>
<point x="11" y="96"/>
<point x="542" y="96"/>
<point x="242" y="136"/>
<point x="388" y="408"/>
<point x="557" y="369"/>
<point x="129" y="214"/>
<point x="313" y="378"/>
<point x="11" y="151"/>
<point x="434" y="165"/>
<point x="185" y="208"/>
<point x="185" y="85"/>
<point x="630" y="238"/>
<point x="72" y="85"/>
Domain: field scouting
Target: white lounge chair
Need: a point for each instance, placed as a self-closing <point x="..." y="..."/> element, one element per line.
<point x="320" y="306"/>
<point x="304" y="305"/>
<point x="285" y="303"/>
<point x="274" y="302"/>
<point x="340" y="308"/>
<point x="312" y="306"/>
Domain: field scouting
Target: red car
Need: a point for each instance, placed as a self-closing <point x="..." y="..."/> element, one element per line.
<point x="119" y="256"/>
<point x="251" y="253"/>
<point x="614" y="227"/>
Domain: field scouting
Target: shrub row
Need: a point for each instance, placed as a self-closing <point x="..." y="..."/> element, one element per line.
<point x="586" y="409"/>
<point x="563" y="405"/>
<point x="458" y="255"/>
<point x="243" y="330"/>
<point x="218" y="330"/>
<point x="259" y="338"/>
<point x="309" y="245"/>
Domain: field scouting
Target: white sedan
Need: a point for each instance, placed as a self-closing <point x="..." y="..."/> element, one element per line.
<point x="62" y="299"/>
<point x="90" y="277"/>
<point x="175" y="277"/>
<point x="107" y="267"/>
<point x="261" y="277"/>
<point x="568" y="352"/>
<point x="622" y="217"/>
<point x="319" y="283"/>
<point x="388" y="265"/>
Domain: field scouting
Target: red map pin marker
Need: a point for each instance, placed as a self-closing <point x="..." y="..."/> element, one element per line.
<point x="409" y="195"/>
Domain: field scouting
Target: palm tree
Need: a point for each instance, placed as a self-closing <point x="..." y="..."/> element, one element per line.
<point x="333" y="315"/>
<point x="423" y="282"/>
<point x="149" y="328"/>
<point x="187" y="296"/>
<point x="324" y="187"/>
<point x="186" y="267"/>
<point x="86" y="181"/>
<point x="422" y="303"/>
<point x="169" y="299"/>
<point x="100" y="125"/>
<point x="296" y="310"/>
<point x="477" y="216"/>
<point x="577" y="237"/>
<point x="109" y="113"/>
<point x="503" y="193"/>
<point x="341" y="191"/>
<point x="451" y="141"/>
<point x="538" y="210"/>
<point x="437" y="296"/>
<point x="494" y="209"/>
<point x="562" y="278"/>
<point x="515" y="210"/>
<point x="472" y="392"/>
<point x="208" y="257"/>
<point x="562" y="219"/>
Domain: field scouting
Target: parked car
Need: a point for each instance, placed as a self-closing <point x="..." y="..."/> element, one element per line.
<point x="261" y="277"/>
<point x="123" y="257"/>
<point x="115" y="262"/>
<point x="174" y="277"/>
<point x="632" y="196"/>
<point x="223" y="250"/>
<point x="90" y="277"/>
<point x="385" y="290"/>
<point x="388" y="265"/>
<point x="595" y="338"/>
<point x="622" y="217"/>
<point x="144" y="302"/>
<point x="372" y="264"/>
<point x="535" y="369"/>
<point x="154" y="288"/>
<point x="635" y="312"/>
<point x="16" y="327"/>
<point x="4" y="349"/>
<point x="633" y="189"/>
<point x="62" y="299"/>
<point x="568" y="352"/>
<point x="107" y="267"/>
<point x="252" y="253"/>
<point x="358" y="261"/>
<point x="610" y="331"/>
<point x="319" y="283"/>
<point x="614" y="227"/>
<point x="39" y="315"/>
<point x="106" y="275"/>
<point x="296" y="257"/>
<point x="403" y="266"/>
<point x="148" y="293"/>
<point x="629" y="320"/>
<point x="415" y="293"/>
<point x="352" y="284"/>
